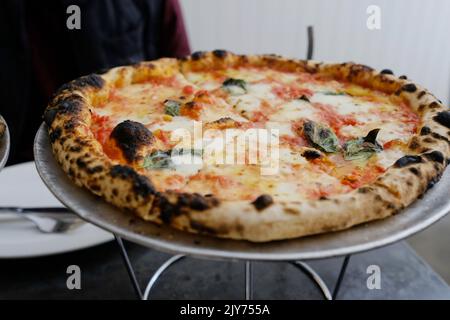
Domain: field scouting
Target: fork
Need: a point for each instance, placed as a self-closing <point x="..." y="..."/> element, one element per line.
<point x="48" y="219"/>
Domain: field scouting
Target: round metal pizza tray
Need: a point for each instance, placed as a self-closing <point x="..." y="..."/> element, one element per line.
<point x="4" y="145"/>
<point x="433" y="206"/>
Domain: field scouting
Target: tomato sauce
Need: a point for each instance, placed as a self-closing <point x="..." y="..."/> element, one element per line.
<point x="188" y="89"/>
<point x="361" y="176"/>
<point x="101" y="129"/>
<point x="192" y="110"/>
<point x="288" y="93"/>
<point x="171" y="81"/>
<point x="294" y="141"/>
<point x="321" y="191"/>
<point x="217" y="182"/>
<point x="334" y="119"/>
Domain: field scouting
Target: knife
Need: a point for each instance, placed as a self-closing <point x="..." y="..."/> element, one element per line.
<point x="35" y="210"/>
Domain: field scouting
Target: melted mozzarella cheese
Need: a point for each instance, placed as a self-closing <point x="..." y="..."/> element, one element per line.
<point x="287" y="191"/>
<point x="294" y="110"/>
<point x="296" y="178"/>
<point x="393" y="131"/>
<point x="344" y="104"/>
<point x="199" y="78"/>
<point x="251" y="101"/>
<point x="244" y="104"/>
<point x="280" y="128"/>
<point x="245" y="74"/>
<point x="291" y="157"/>
<point x="187" y="164"/>
<point x="261" y="90"/>
<point x="174" y="124"/>
<point x="388" y="157"/>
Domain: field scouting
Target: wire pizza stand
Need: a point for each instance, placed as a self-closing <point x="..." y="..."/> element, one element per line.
<point x="431" y="207"/>
<point x="4" y="145"/>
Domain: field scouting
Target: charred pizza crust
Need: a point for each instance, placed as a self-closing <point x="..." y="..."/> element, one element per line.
<point x="68" y="118"/>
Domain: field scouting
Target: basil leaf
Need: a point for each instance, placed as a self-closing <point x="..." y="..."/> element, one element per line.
<point x="321" y="136"/>
<point x="172" y="107"/>
<point x="332" y="93"/>
<point x="187" y="151"/>
<point x="362" y="148"/>
<point x="235" y="86"/>
<point x="158" y="160"/>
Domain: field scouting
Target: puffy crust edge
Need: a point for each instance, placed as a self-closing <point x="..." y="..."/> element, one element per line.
<point x="68" y="118"/>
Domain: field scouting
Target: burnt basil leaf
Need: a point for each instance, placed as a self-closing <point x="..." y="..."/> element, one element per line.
<point x="158" y="160"/>
<point x="172" y="107"/>
<point x="362" y="148"/>
<point x="304" y="98"/>
<point x="235" y="86"/>
<point x="321" y="136"/>
<point x="371" y="137"/>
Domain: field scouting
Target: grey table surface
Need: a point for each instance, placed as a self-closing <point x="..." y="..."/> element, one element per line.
<point x="404" y="275"/>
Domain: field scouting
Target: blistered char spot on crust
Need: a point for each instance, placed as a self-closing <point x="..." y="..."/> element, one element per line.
<point x="414" y="144"/>
<point x="443" y="118"/>
<point x="436" y="156"/>
<point x="386" y="71"/>
<point x="262" y="202"/>
<point x="434" y="105"/>
<point x="407" y="160"/>
<point x="71" y="104"/>
<point x="311" y="154"/>
<point x="222" y="123"/>
<point x="425" y="130"/>
<point x="202" y="228"/>
<point x="421" y="94"/>
<point x="357" y="69"/>
<point x="130" y="136"/>
<point x="170" y="204"/>
<point x="55" y="134"/>
<point x="196" y="201"/>
<point x="220" y="53"/>
<point x="141" y="184"/>
<point x="197" y="55"/>
<point x="439" y="137"/>
<point x="81" y="157"/>
<point x="409" y="87"/>
<point x="90" y="81"/>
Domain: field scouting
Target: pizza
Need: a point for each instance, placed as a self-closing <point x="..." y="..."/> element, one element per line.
<point x="173" y="142"/>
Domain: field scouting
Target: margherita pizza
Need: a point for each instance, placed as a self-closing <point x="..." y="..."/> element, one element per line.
<point x="250" y="147"/>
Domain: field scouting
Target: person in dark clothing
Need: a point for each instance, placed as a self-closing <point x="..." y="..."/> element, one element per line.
<point x="38" y="52"/>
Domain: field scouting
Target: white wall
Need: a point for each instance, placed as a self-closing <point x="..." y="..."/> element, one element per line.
<point x="414" y="38"/>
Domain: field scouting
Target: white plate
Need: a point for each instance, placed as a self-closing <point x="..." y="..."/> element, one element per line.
<point x="20" y="185"/>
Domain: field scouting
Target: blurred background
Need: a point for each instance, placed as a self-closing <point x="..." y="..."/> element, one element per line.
<point x="414" y="40"/>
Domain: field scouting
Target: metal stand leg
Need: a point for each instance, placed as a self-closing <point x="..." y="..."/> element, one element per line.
<point x="319" y="281"/>
<point x="340" y="277"/>
<point x="310" y="52"/>
<point x="159" y="272"/>
<point x="248" y="280"/>
<point x="126" y="260"/>
<point x="314" y="276"/>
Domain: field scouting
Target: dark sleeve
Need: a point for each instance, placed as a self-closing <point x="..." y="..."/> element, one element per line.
<point x="173" y="40"/>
